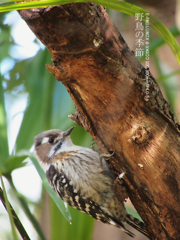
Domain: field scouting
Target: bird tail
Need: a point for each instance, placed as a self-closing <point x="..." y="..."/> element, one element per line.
<point x="137" y="224"/>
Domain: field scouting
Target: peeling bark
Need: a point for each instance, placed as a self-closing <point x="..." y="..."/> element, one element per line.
<point x="107" y="85"/>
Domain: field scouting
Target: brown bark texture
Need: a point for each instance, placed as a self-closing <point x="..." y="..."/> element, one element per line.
<point x="108" y="87"/>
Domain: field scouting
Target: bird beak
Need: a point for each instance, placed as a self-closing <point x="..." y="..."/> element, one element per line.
<point x="67" y="132"/>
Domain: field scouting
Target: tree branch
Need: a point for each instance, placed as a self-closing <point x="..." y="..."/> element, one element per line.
<point x="107" y="85"/>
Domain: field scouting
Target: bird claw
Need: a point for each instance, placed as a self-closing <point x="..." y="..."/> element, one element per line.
<point x="92" y="143"/>
<point x="106" y="156"/>
<point x="121" y="175"/>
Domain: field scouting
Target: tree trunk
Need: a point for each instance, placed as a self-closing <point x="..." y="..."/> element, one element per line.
<point x="108" y="87"/>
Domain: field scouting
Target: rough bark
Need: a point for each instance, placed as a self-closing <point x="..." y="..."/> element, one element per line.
<point x="107" y="85"/>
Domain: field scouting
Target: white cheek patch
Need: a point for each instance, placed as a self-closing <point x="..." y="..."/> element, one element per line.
<point x="44" y="140"/>
<point x="53" y="149"/>
<point x="51" y="152"/>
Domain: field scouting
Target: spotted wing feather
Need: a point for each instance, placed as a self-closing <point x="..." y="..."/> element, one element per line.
<point x="66" y="191"/>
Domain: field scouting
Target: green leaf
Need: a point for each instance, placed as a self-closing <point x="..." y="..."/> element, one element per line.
<point x="4" y="150"/>
<point x="26" y="210"/>
<point x="14" y="162"/>
<point x="80" y="229"/>
<point x="49" y="103"/>
<point x="38" y="114"/>
<point x="158" y="42"/>
<point x="14" y="233"/>
<point x="16" y="220"/>
<point x="5" y="40"/>
<point x="169" y="85"/>
<point x="167" y="76"/>
<point x="133" y="213"/>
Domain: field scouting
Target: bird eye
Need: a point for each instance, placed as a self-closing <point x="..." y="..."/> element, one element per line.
<point x="51" y="140"/>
